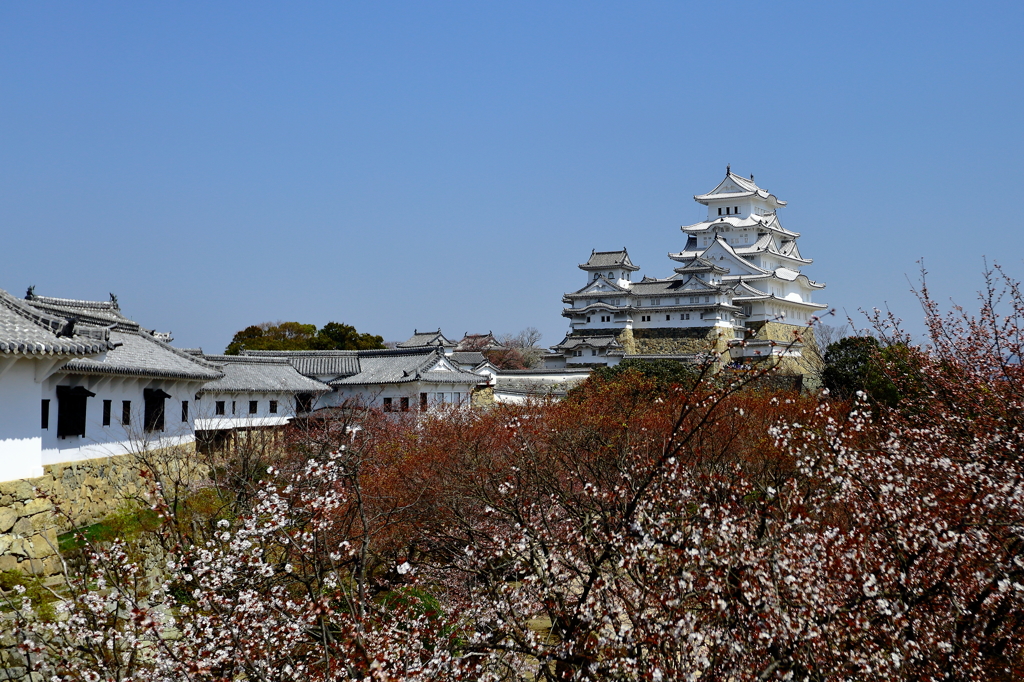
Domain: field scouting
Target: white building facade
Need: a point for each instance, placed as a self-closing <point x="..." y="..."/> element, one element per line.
<point x="739" y="268"/>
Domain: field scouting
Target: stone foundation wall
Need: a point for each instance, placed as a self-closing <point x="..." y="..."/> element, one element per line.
<point x="34" y="511"/>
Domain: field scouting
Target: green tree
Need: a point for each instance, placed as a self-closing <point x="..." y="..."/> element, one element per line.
<point x="341" y="336"/>
<point x="298" y="336"/>
<point x="858" y="363"/>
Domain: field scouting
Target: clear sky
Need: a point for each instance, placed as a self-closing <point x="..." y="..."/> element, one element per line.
<point x="414" y="165"/>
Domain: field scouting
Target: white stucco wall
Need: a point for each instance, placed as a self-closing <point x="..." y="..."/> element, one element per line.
<point x="117" y="438"/>
<point x="20" y="439"/>
<point x="206" y="417"/>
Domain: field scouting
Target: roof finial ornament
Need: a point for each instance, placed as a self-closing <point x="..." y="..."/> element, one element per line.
<point x="751" y="177"/>
<point x="31" y="293"/>
<point x="113" y="300"/>
<point x="728" y="168"/>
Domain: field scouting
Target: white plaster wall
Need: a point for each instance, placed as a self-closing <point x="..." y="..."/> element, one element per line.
<point x="117" y="438"/>
<point x="206" y="417"/>
<point x="20" y="440"/>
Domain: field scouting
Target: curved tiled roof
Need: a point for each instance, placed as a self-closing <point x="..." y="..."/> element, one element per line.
<point x="26" y="331"/>
<point x="134" y="351"/>
<point x="314" y="363"/>
<point x="140" y="354"/>
<point x="402" y="366"/>
<point x="245" y="374"/>
<point x="420" y="339"/>
<point x="609" y="259"/>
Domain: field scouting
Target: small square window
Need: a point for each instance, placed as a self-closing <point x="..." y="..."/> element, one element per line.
<point x="668" y="317"/>
<point x="106" y="412"/>
<point x="254" y="406"/>
<point x="273" y="407"/>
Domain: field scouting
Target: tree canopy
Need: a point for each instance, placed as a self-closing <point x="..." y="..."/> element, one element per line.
<point x="298" y="336"/>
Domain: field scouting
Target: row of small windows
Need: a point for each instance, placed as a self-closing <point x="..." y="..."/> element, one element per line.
<point x="72" y="407"/>
<point x="611" y="275"/>
<point x="220" y="407"/>
<point x="579" y="353"/>
<point x="425" y="398"/>
<point x="729" y="210"/>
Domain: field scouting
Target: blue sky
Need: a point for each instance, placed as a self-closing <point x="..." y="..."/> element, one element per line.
<point x="414" y="165"/>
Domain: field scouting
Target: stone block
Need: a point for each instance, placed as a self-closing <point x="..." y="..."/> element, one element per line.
<point x="22" y="526"/>
<point x="8" y="562"/>
<point x="36" y="506"/>
<point x="7" y="519"/>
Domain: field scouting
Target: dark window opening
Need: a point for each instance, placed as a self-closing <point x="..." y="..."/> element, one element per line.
<point x="304" y="402"/>
<point x="154" y="413"/>
<point x="423" y="401"/>
<point x="44" y="415"/>
<point x="254" y="406"/>
<point x="668" y="317"/>
<point x="387" y="404"/>
<point x="106" y="412"/>
<point x="727" y="210"/>
<point x="405" y="404"/>
<point x="218" y="407"/>
<point x="719" y="210"/>
<point x="184" y="410"/>
<point x="126" y="412"/>
<point x="232" y="407"/>
<point x="71" y="407"/>
<point x="273" y="407"/>
<point x="736" y="210"/>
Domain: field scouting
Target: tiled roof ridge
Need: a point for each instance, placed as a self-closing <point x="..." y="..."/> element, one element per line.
<point x="74" y="302"/>
<point x="81" y="341"/>
<point x="256" y="360"/>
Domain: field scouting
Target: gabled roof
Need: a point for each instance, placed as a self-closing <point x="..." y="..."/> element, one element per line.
<point x="571" y="342"/>
<point x="26" y="331"/>
<point x="478" y="342"/>
<point x="407" y="365"/>
<point x="700" y="265"/>
<point x="419" y="339"/>
<point x="314" y="363"/>
<point x="464" y="357"/>
<point x="244" y="374"/>
<point x="101" y="312"/>
<point x="600" y="287"/>
<point x="140" y="354"/>
<point x="135" y="352"/>
<point x="769" y="223"/>
<point x="608" y="259"/>
<point x="735" y="187"/>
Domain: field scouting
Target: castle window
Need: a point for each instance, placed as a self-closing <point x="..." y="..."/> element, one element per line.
<point x="736" y="210"/>
<point x="44" y="415"/>
<point x="106" y="412"/>
<point x="154" y="413"/>
<point x="684" y="316"/>
<point x="611" y="275"/>
<point x="593" y="352"/>
<point x="273" y="407"/>
<point x="253" y="406"/>
<point x="677" y="301"/>
<point x="719" y="213"/>
<point x="656" y="301"/>
<point x="405" y="404"/>
<point x="727" y="210"/>
<point x="423" y="401"/>
<point x="184" y="410"/>
<point x="595" y="276"/>
<point x="71" y="410"/>
<point x="668" y="317"/>
<point x="218" y="407"/>
<point x="588" y="318"/>
<point x="126" y="412"/>
<point x="387" y="404"/>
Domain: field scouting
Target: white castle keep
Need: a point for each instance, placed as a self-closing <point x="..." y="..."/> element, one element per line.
<point x="738" y="271"/>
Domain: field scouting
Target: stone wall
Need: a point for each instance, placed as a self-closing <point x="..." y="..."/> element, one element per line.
<point x="34" y="511"/>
